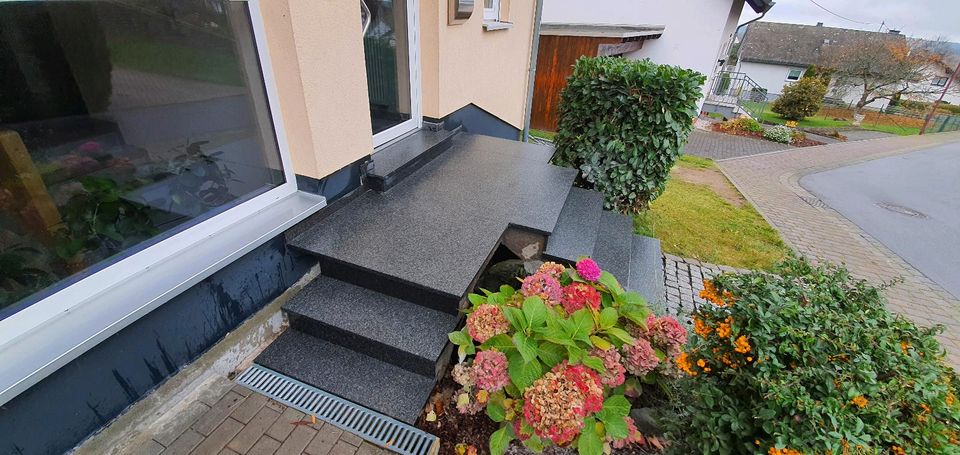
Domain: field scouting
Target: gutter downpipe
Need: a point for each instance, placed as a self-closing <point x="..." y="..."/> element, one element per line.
<point x="531" y="74"/>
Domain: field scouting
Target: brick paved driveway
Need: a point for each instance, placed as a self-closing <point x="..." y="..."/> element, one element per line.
<point x="770" y="183"/>
<point x="719" y="146"/>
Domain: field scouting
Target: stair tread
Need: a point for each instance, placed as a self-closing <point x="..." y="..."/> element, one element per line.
<point x="388" y="320"/>
<point x="646" y="269"/>
<point x="395" y="161"/>
<point x="614" y="244"/>
<point x="576" y="232"/>
<point x="369" y="382"/>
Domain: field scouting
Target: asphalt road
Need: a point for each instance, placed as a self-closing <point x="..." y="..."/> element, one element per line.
<point x="910" y="203"/>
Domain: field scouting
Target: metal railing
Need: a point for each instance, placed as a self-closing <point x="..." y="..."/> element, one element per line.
<point x="735" y="88"/>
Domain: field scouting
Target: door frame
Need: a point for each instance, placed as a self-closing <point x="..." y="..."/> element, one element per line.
<point x="413" y="44"/>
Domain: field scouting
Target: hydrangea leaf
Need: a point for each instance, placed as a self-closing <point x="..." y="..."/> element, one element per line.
<point x="523" y="373"/>
<point x="582" y="325"/>
<point x="460" y="337"/>
<point x="551" y="354"/>
<point x="507" y="291"/>
<point x="595" y="363"/>
<point x="589" y="442"/>
<point x="608" y="318"/>
<point x="607" y="279"/>
<point x="600" y="342"/>
<point x="616" y="427"/>
<point x="515" y="317"/>
<point x="526" y="346"/>
<point x="500" y="439"/>
<point x="617" y="405"/>
<point x="495" y="411"/>
<point x="501" y="342"/>
<point x="535" y="311"/>
<point x="534" y="443"/>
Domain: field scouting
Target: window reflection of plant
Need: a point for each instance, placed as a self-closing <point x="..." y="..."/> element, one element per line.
<point x="201" y="179"/>
<point x="98" y="220"/>
<point x="23" y="271"/>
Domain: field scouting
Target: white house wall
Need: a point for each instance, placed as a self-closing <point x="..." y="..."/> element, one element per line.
<point x="774" y="78"/>
<point x="696" y="31"/>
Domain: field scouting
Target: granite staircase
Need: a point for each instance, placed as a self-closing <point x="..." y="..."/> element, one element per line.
<point x="398" y="260"/>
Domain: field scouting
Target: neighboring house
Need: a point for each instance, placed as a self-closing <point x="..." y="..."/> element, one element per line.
<point x="158" y="159"/>
<point x="692" y="34"/>
<point x="939" y="76"/>
<point x="775" y="54"/>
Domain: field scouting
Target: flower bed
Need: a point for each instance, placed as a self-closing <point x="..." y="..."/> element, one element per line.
<point x="557" y="363"/>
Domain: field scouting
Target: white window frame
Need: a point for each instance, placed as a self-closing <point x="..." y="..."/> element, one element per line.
<point x="492" y="13"/>
<point x="24" y="332"/>
<point x="799" y="75"/>
<point x="416" y="115"/>
<point x="940" y="81"/>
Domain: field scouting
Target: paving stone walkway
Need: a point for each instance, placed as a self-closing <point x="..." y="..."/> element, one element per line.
<point x="234" y="420"/>
<point x="770" y="182"/>
<point x="683" y="281"/>
<point x="718" y="146"/>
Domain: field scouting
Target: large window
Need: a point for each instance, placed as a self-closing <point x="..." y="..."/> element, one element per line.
<point x="794" y="75"/>
<point x="122" y="123"/>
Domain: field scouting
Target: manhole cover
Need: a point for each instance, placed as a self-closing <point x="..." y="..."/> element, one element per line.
<point x="900" y="209"/>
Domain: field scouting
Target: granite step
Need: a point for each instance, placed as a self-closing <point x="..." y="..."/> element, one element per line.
<point x="369" y="382"/>
<point x="576" y="231"/>
<point x="407" y="335"/>
<point x="646" y="270"/>
<point x="400" y="159"/>
<point x="614" y="245"/>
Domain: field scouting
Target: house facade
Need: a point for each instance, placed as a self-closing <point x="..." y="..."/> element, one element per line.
<point x="696" y="41"/>
<point x="154" y="158"/>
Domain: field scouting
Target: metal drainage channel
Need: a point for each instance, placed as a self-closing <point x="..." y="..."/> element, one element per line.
<point x="377" y="428"/>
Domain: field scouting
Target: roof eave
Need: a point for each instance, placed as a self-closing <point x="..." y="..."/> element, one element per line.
<point x="761" y="6"/>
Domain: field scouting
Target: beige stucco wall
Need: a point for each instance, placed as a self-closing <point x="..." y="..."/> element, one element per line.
<point x="317" y="55"/>
<point x="464" y="64"/>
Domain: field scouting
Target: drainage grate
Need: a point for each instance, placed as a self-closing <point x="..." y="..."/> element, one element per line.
<point x="814" y="202"/>
<point x="370" y="425"/>
<point x="900" y="209"/>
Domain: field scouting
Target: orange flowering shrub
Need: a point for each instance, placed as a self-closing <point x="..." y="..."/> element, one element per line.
<point x="807" y="360"/>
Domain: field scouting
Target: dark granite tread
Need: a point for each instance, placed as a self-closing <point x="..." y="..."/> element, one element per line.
<point x="436" y="228"/>
<point x="576" y="232"/>
<point x="400" y="159"/>
<point x="393" y="330"/>
<point x="364" y="380"/>
<point x="614" y="244"/>
<point x="646" y="269"/>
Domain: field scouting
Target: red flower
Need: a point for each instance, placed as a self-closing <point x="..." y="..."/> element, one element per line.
<point x="578" y="295"/>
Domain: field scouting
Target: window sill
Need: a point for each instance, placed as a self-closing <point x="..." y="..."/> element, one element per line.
<point x="63" y="337"/>
<point x="492" y="25"/>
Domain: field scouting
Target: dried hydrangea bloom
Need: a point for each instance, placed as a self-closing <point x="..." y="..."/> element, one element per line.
<point x="553" y="407"/>
<point x="588" y="382"/>
<point x="486" y="322"/>
<point x="665" y="332"/>
<point x="588" y="269"/>
<point x="553" y="269"/>
<point x="467" y="402"/>
<point x="490" y="370"/>
<point x="464" y="375"/>
<point x="613" y="375"/>
<point x="579" y="295"/>
<point x="639" y="358"/>
<point x="542" y="285"/>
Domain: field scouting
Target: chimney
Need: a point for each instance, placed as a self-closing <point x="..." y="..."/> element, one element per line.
<point x="894" y="32"/>
<point x="819" y="24"/>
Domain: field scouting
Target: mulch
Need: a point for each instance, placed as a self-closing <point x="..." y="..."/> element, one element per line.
<point x="734" y="132"/>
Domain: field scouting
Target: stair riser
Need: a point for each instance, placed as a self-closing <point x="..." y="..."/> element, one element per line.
<point x="383" y="183"/>
<point x="389" y="286"/>
<point x="363" y="345"/>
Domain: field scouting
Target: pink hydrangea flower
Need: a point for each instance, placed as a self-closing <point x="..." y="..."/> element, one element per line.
<point x="588" y="382"/>
<point x="486" y="322"/>
<point x="639" y="358"/>
<point x="542" y="285"/>
<point x="490" y="370"/>
<point x="588" y="269"/>
<point x="666" y="332"/>
<point x="579" y="295"/>
<point x="553" y="407"/>
<point x="613" y="375"/>
<point x="553" y="269"/>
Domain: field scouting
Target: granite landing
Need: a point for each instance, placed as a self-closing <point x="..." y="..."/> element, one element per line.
<point x="398" y="261"/>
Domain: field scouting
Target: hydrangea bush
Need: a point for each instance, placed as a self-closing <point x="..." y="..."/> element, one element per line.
<point x="553" y="361"/>
<point x="808" y="360"/>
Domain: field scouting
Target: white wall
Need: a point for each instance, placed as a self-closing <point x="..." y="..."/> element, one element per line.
<point x="770" y="77"/>
<point x="696" y="30"/>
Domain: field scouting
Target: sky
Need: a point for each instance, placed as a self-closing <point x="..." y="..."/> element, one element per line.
<point x="915" y="18"/>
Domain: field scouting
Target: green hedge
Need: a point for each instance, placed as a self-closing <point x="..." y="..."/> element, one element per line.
<point x="623" y="123"/>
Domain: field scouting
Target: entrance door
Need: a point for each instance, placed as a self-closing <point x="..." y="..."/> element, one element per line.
<point x="391" y="51"/>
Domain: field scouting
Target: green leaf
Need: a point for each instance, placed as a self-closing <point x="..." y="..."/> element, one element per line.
<point x="501" y="342"/>
<point x="633" y="299"/>
<point x="608" y="318"/>
<point x="534" y="443"/>
<point x="607" y="279"/>
<point x="595" y="363"/>
<point x="476" y="299"/>
<point x="617" y="405"/>
<point x="616" y="427"/>
<point x="551" y="354"/>
<point x="460" y="337"/>
<point x="523" y="373"/>
<point x="526" y="346"/>
<point x="589" y="442"/>
<point x="582" y="325"/>
<point x="506" y="291"/>
<point x="636" y="314"/>
<point x="600" y="343"/>
<point x="619" y="334"/>
<point x="535" y="311"/>
<point x="515" y="317"/>
<point x="500" y="439"/>
<point x="495" y="411"/>
<point x="465" y="350"/>
<point x="575" y="354"/>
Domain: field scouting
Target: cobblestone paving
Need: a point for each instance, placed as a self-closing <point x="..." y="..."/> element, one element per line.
<point x="720" y="146"/>
<point x="770" y="183"/>
<point x="239" y="421"/>
<point x="683" y="281"/>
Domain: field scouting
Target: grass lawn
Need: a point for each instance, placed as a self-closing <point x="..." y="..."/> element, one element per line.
<point x="697" y="216"/>
<point x="819" y="121"/>
<point x="543" y="134"/>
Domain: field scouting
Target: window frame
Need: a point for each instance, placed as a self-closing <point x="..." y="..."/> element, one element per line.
<point x="799" y="75"/>
<point x="492" y="13"/>
<point x="940" y="81"/>
<point x="24" y="324"/>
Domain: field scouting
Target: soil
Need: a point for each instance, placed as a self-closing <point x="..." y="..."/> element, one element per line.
<point x="806" y="143"/>
<point x="713" y="179"/>
<point x="733" y="132"/>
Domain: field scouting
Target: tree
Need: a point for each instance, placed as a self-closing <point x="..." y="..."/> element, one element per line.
<point x="883" y="67"/>
<point x="800" y="99"/>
